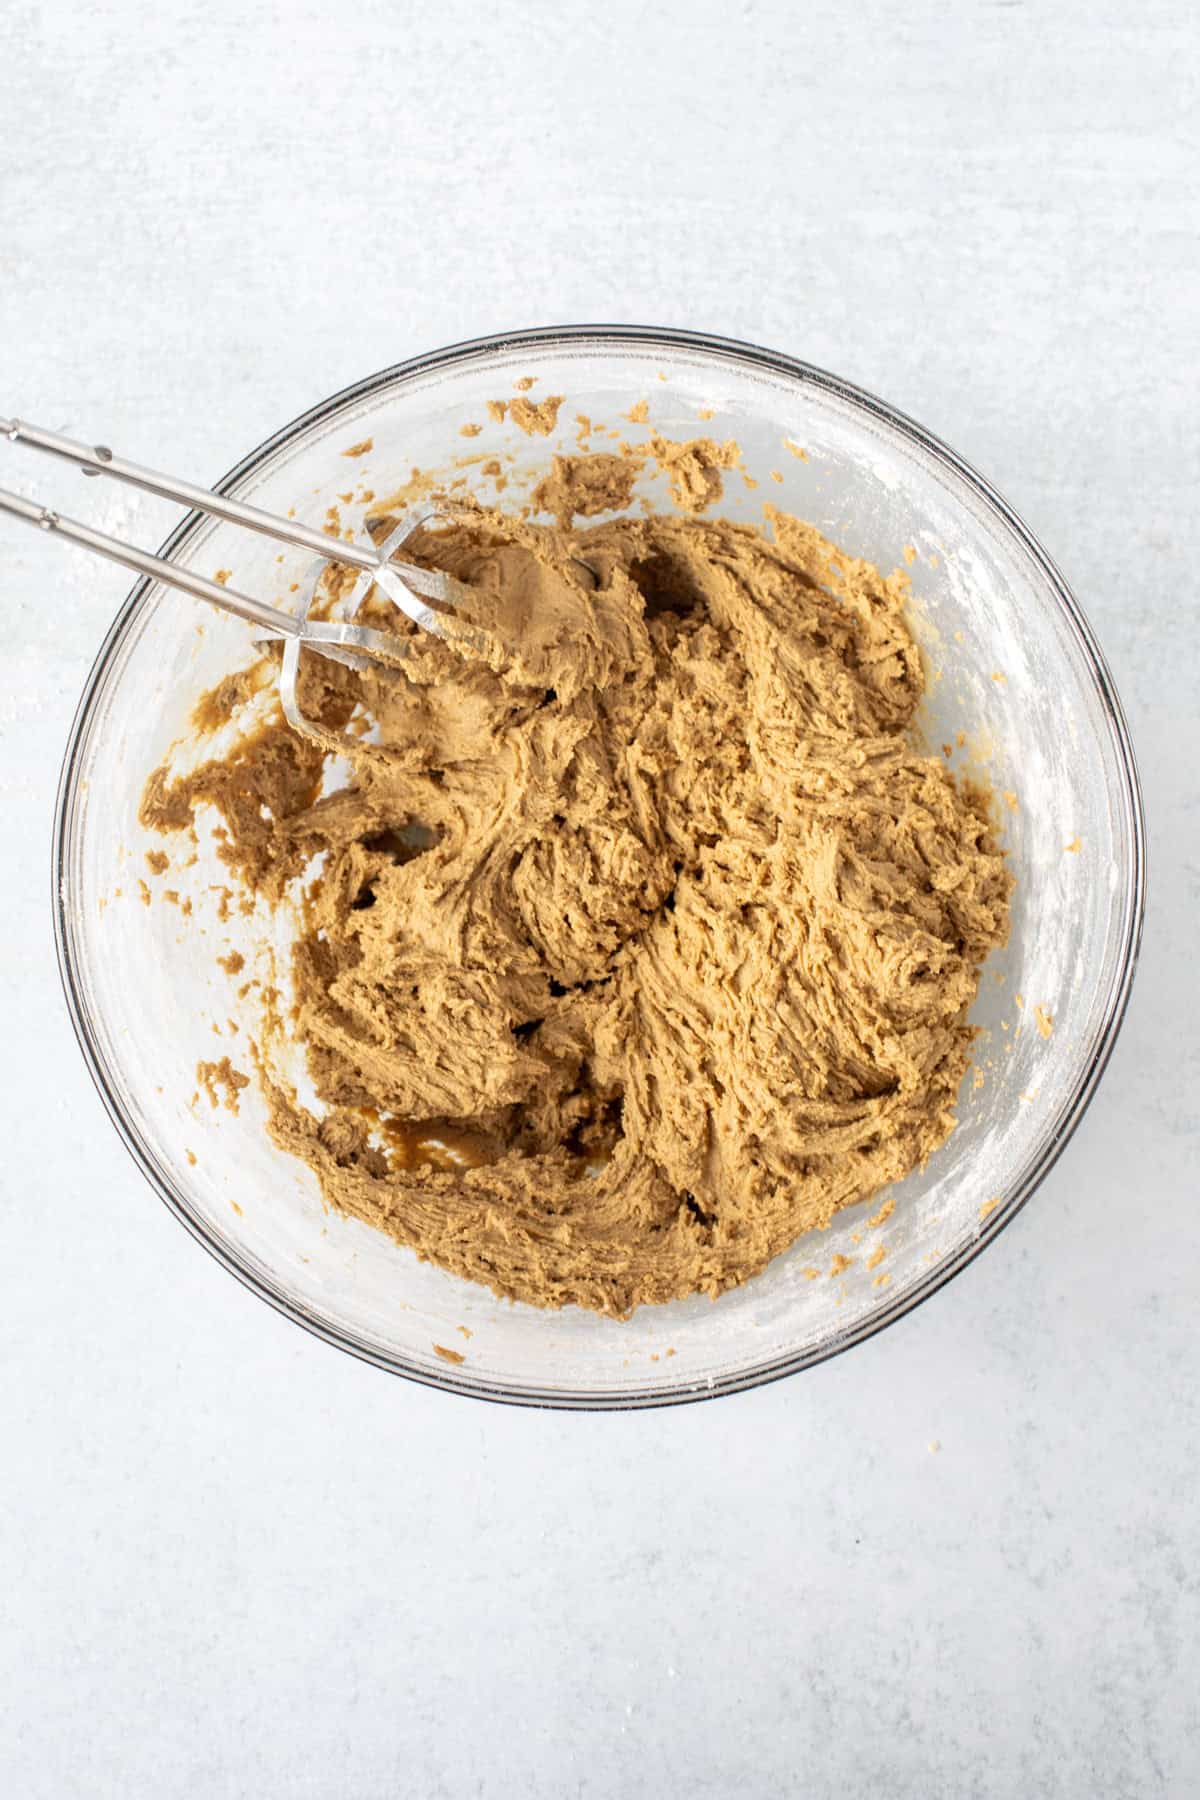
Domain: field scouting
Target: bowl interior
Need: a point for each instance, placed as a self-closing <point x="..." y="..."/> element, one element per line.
<point x="1011" y="669"/>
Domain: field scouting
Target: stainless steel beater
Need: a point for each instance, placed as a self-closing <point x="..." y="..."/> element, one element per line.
<point x="410" y="587"/>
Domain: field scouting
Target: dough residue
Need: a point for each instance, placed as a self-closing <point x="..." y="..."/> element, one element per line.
<point x="693" y="469"/>
<point x="582" y="486"/>
<point x="536" y="418"/>
<point x="221" y="1078"/>
<point x="624" y="963"/>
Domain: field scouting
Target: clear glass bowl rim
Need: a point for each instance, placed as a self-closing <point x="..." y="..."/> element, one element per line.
<point x="1131" y="900"/>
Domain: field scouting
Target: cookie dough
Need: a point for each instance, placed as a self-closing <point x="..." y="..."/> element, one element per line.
<point x="624" y="963"/>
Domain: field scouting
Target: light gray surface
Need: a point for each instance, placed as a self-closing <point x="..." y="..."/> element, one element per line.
<point x="237" y="1563"/>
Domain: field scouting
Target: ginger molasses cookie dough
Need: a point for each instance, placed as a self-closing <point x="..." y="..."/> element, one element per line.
<point x="634" y="958"/>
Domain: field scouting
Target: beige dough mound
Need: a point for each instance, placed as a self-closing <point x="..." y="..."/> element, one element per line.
<point x="632" y="961"/>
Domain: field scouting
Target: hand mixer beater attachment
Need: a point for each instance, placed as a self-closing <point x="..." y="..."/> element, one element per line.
<point x="423" y="595"/>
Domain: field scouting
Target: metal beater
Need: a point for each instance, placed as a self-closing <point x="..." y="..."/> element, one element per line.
<point x="411" y="588"/>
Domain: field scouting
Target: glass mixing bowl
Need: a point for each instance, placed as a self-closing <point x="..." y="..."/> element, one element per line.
<point x="1012" y="665"/>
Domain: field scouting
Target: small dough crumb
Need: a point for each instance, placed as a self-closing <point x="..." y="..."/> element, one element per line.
<point x="1044" y="1021"/>
<point x="450" y="1356"/>
<point x="693" y="469"/>
<point x="223" y="1075"/>
<point x="360" y="449"/>
<point x="469" y="430"/>
<point x="536" y="418"/>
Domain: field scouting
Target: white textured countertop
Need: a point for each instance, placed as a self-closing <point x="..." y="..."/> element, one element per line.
<point x="235" y="1562"/>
